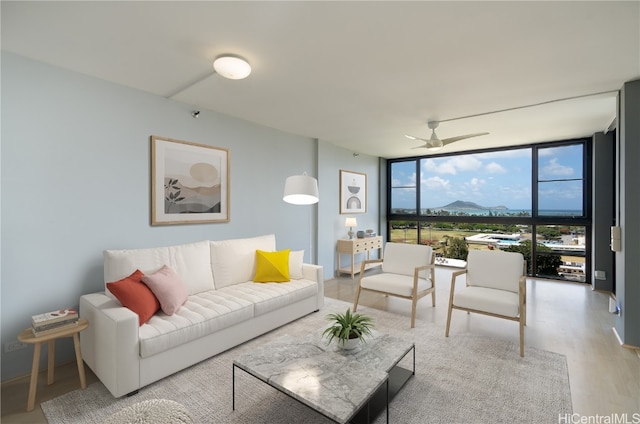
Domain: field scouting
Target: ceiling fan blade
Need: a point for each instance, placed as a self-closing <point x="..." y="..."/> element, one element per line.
<point x="428" y="143"/>
<point x="410" y="137"/>
<point x="461" y="137"/>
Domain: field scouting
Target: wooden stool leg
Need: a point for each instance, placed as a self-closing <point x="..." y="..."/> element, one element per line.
<point x="76" y="344"/>
<point x="31" y="401"/>
<point x="51" y="361"/>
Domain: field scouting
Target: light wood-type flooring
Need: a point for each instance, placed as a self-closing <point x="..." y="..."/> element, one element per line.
<point x="567" y="318"/>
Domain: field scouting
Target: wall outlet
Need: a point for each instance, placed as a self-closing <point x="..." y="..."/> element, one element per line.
<point x="601" y="275"/>
<point x="14" y="345"/>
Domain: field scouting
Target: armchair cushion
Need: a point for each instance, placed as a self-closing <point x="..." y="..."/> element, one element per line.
<point x="400" y="258"/>
<point x="398" y="284"/>
<point x="500" y="302"/>
<point x="494" y="269"/>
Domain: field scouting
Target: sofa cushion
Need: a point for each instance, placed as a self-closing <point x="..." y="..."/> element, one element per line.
<point x="234" y="261"/>
<point x="267" y="297"/>
<point x="272" y="267"/>
<point x="132" y="293"/>
<point x="192" y="262"/>
<point x="168" y="288"/>
<point x="202" y="314"/>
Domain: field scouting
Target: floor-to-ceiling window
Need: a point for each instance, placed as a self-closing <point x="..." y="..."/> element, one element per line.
<point x="533" y="199"/>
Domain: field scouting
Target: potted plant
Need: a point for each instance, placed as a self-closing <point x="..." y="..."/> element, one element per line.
<point x="348" y="328"/>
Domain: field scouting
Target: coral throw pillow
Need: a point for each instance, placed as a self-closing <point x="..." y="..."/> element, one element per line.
<point x="168" y="288"/>
<point x="135" y="295"/>
<point x="272" y="267"/>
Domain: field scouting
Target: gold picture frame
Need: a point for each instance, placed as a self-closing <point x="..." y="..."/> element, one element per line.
<point x="353" y="192"/>
<point x="189" y="182"/>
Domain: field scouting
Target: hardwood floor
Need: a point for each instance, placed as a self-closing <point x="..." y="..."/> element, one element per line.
<point x="562" y="317"/>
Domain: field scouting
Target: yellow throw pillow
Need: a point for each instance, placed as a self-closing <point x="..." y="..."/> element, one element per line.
<point x="272" y="267"/>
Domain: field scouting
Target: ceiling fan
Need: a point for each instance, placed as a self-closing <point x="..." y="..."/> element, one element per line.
<point x="434" y="143"/>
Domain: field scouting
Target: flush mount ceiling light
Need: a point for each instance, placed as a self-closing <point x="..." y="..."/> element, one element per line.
<point x="232" y="67"/>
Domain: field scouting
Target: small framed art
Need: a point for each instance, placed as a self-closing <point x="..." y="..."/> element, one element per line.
<point x="189" y="182"/>
<point x="353" y="192"/>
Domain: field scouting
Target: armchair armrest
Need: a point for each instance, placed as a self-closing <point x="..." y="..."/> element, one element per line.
<point x="110" y="345"/>
<point x="454" y="277"/>
<point x="522" y="298"/>
<point x="416" y="275"/>
<point x="364" y="263"/>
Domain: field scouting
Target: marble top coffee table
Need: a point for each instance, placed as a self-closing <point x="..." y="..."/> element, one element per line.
<point x="343" y="385"/>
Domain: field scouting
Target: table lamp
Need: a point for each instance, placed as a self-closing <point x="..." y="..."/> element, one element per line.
<point x="350" y="222"/>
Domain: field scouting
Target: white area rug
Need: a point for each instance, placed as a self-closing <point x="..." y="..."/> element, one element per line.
<point x="461" y="379"/>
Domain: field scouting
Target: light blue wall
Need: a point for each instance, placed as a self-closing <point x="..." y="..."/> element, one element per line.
<point x="331" y="222"/>
<point x="75" y="164"/>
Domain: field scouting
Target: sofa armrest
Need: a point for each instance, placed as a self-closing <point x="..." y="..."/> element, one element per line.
<point x="110" y="345"/>
<point x="315" y="273"/>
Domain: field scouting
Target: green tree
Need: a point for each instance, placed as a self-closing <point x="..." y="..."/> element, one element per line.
<point x="456" y="248"/>
<point x="546" y="264"/>
<point x="549" y="232"/>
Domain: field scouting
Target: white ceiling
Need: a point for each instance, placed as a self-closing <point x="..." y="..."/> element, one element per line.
<point x="357" y="74"/>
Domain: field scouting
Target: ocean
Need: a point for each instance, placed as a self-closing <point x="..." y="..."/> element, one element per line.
<point x="501" y="212"/>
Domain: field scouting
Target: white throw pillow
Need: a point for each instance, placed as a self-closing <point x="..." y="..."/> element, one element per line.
<point x="296" y="258"/>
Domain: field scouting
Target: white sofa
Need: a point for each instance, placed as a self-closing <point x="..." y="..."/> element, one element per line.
<point x="224" y="308"/>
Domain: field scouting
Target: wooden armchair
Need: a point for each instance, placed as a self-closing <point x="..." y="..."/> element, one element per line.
<point x="496" y="286"/>
<point x="407" y="272"/>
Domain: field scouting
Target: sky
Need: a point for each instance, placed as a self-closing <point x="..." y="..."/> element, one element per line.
<point x="493" y="179"/>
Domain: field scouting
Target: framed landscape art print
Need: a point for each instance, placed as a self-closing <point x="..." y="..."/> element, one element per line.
<point x="353" y="192"/>
<point x="189" y="182"/>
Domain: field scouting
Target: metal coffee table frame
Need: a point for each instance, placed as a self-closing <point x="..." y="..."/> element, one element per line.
<point x="377" y="397"/>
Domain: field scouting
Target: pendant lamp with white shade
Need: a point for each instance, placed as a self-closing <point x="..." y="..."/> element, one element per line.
<point x="301" y="190"/>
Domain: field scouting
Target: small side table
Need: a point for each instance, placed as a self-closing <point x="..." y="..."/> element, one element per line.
<point x="27" y="336"/>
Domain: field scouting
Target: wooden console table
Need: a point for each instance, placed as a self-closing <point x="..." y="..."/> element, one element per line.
<point x="354" y="247"/>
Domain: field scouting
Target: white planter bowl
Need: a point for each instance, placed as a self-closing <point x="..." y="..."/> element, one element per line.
<point x="349" y="344"/>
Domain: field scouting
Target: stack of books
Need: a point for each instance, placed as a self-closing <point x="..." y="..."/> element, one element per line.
<point x="53" y="321"/>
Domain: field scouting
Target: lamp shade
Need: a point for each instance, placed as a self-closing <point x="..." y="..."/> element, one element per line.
<point x="301" y="190"/>
<point x="350" y="222"/>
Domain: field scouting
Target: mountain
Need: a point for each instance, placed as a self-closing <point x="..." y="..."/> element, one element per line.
<point x="463" y="205"/>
